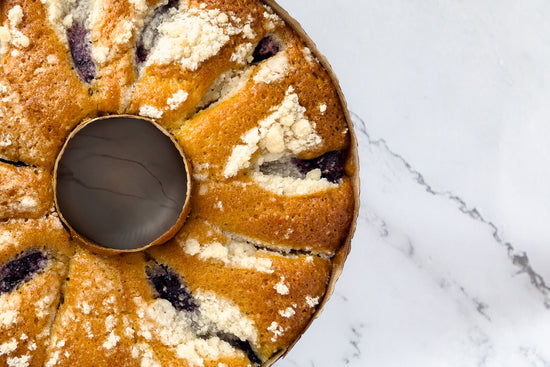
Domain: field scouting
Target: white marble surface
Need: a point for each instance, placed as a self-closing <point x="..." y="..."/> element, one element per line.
<point x="451" y="101"/>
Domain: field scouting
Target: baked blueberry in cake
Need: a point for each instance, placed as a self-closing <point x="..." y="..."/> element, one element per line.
<point x="257" y="113"/>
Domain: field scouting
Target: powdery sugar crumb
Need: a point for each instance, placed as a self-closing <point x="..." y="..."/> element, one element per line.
<point x="189" y="39"/>
<point x="8" y="347"/>
<point x="273" y="69"/>
<point x="235" y="253"/>
<point x="11" y="34"/>
<point x="15" y="16"/>
<point x="53" y="359"/>
<point x="243" y="53"/>
<point x="285" y="130"/>
<point x="8" y="317"/>
<point x="288" y="312"/>
<point x="293" y="186"/>
<point x="276" y="329"/>
<point x="226" y="316"/>
<point x="177" y="99"/>
<point x="312" y="301"/>
<point x="150" y="111"/>
<point x="281" y="287"/>
<point x="111" y="341"/>
<point x="22" y="361"/>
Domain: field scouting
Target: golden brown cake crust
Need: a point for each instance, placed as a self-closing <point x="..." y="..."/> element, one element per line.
<point x="92" y="326"/>
<point x="25" y="192"/>
<point x="270" y="221"/>
<point x="277" y="301"/>
<point x="53" y="97"/>
<point x="27" y="313"/>
<point x="318" y="222"/>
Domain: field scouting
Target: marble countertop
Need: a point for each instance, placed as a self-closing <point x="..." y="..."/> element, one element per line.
<point x="450" y="264"/>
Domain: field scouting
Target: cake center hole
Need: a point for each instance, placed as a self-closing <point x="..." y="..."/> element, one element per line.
<point x="122" y="183"/>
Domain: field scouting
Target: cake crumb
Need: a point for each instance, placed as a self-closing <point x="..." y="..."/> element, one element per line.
<point x="150" y="111"/>
<point x="281" y="287"/>
<point x="15" y="16"/>
<point x="53" y="359"/>
<point x="312" y="302"/>
<point x="243" y="53"/>
<point x="236" y="254"/>
<point x="323" y="108"/>
<point x="5" y="35"/>
<point x="100" y="54"/>
<point x="286" y="129"/>
<point x="292" y="186"/>
<point x="273" y="69"/>
<point x="248" y="32"/>
<point x="288" y="312"/>
<point x="22" y="361"/>
<point x="189" y="39"/>
<point x="111" y="341"/>
<point x="139" y="5"/>
<point x="52" y="59"/>
<point x="308" y="55"/>
<point x="8" y="347"/>
<point x="177" y="99"/>
<point x="8" y="317"/>
<point x="110" y="322"/>
<point x="85" y="307"/>
<point x="276" y="329"/>
<point x="240" y="157"/>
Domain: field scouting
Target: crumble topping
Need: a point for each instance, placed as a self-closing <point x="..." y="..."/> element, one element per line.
<point x="236" y="254"/>
<point x="276" y="329"/>
<point x="288" y="312"/>
<point x="22" y="361"/>
<point x="10" y="33"/>
<point x="293" y="186"/>
<point x="273" y="69"/>
<point x="286" y="130"/>
<point x="177" y="99"/>
<point x="281" y="287"/>
<point x="312" y="302"/>
<point x="150" y="111"/>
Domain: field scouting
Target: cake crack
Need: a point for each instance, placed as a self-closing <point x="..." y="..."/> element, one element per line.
<point x="14" y="163"/>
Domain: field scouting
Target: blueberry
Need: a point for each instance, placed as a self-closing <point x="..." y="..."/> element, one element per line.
<point x="80" y="47"/>
<point x="242" y="345"/>
<point x="170" y="287"/>
<point x="265" y="49"/>
<point x="21" y="269"/>
<point x="331" y="165"/>
<point x="141" y="53"/>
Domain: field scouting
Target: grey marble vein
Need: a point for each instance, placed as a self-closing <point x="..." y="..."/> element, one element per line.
<point x="519" y="259"/>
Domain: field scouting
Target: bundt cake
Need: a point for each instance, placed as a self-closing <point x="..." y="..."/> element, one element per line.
<point x="258" y="114"/>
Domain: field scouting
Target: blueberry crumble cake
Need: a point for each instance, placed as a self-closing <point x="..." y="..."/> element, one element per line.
<point x="260" y="117"/>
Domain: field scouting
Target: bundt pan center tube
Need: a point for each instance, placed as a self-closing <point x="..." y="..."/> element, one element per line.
<point x="119" y="192"/>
